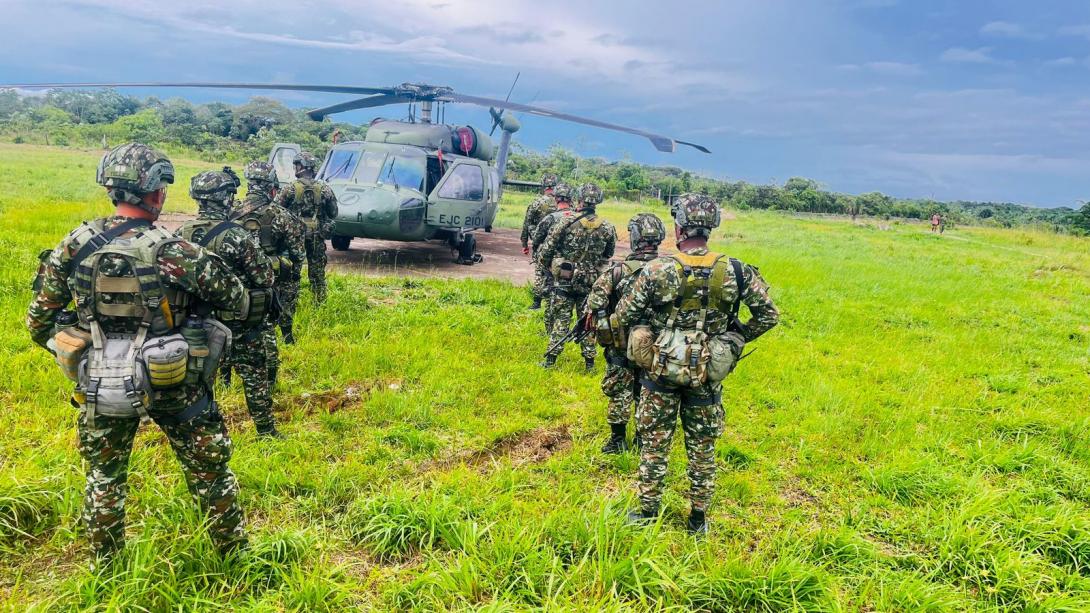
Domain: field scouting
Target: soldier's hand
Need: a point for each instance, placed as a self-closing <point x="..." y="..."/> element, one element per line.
<point x="525" y="251"/>
<point x="588" y="321"/>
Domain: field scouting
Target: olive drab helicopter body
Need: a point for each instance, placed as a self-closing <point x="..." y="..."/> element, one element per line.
<point x="411" y="180"/>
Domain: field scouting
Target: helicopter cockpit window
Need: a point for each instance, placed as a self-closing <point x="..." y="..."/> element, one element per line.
<point x="341" y="164"/>
<point x="464" y="183"/>
<point x="282" y="161"/>
<point x="370" y="164"/>
<point x="404" y="171"/>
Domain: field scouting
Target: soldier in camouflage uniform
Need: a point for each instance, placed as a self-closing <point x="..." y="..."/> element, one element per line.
<point x="135" y="177"/>
<point x="536" y="211"/>
<point x="314" y="202"/>
<point x="645" y="233"/>
<point x="214" y="192"/>
<point x="543" y="279"/>
<point x="658" y="296"/>
<point x="575" y="251"/>
<point x="280" y="235"/>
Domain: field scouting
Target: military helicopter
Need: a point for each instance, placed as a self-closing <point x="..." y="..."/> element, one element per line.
<point x="413" y="179"/>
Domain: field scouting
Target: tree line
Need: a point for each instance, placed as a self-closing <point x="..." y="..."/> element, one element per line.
<point x="233" y="133"/>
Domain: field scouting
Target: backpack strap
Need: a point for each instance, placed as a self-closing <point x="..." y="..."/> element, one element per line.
<point x="101" y="239"/>
<point x="740" y="281"/>
<point x="215" y="231"/>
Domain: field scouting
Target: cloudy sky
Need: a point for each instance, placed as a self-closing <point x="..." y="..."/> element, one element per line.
<point x="974" y="99"/>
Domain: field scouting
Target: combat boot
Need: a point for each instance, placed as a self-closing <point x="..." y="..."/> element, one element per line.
<point x="589" y="364"/>
<point x="536" y="304"/>
<point x="272" y="378"/>
<point x="549" y="361"/>
<point x="289" y="336"/>
<point x="616" y="443"/>
<point x="269" y="432"/>
<point x="642" y="517"/>
<point x="697" y="524"/>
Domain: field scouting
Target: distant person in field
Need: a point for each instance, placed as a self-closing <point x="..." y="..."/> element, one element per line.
<point x="543" y="278"/>
<point x="536" y="211"/>
<point x="936" y="219"/>
<point x="313" y="201"/>
<point x="942" y="224"/>
<point x="685" y="335"/>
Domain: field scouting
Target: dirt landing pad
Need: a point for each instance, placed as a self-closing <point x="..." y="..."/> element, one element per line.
<point x="500" y="248"/>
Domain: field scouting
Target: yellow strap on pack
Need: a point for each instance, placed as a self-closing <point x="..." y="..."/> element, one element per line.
<point x="698" y="261"/>
<point x="591" y="223"/>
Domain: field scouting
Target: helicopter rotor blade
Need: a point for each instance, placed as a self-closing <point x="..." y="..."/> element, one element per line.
<point x="333" y="89"/>
<point x="662" y="143"/>
<point x="359" y="103"/>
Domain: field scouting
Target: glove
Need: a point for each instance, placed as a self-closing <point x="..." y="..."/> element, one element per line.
<point x="525" y="251"/>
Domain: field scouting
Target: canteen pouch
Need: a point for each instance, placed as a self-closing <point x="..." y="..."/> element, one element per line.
<point x="641" y="343"/>
<point x="111" y="381"/>
<point x="724" y="351"/>
<point x="165" y="359"/>
<point x="680" y="358"/>
<point x="609" y="332"/>
<point x="196" y="338"/>
<point x="260" y="304"/>
<point x="69" y="345"/>
<point x="218" y="347"/>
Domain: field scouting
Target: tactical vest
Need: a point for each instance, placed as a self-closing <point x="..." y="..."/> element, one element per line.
<point x="576" y="275"/>
<point x="208" y="233"/>
<point x="303" y="203"/>
<point x="608" y="329"/>
<point x="259" y="221"/>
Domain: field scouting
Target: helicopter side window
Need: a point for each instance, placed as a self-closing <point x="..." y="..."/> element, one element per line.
<point x="342" y="162"/>
<point x="434" y="173"/>
<point x="465" y="182"/>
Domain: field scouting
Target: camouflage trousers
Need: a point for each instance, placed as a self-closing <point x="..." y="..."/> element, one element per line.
<point x="316" y="261"/>
<point x="249" y="358"/>
<point x="701" y="412"/>
<point x="289" y="298"/>
<point x="202" y="447"/>
<point x="272" y="354"/>
<point x="543" y="280"/>
<point x="559" y="314"/>
<point x="619" y="386"/>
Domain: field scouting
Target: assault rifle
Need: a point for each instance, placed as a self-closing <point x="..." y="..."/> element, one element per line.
<point x="581" y="330"/>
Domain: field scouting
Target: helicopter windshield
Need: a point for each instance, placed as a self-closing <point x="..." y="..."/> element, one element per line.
<point x="341" y="164"/>
<point x="404" y="171"/>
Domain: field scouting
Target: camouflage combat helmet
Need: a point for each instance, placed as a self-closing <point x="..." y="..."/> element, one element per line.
<point x="305" y="161"/>
<point x="695" y="214"/>
<point x="549" y="180"/>
<point x="261" y="173"/>
<point x="645" y="231"/>
<point x="214" y="187"/>
<point x="590" y="194"/>
<point x="132" y="170"/>
<point x="562" y="191"/>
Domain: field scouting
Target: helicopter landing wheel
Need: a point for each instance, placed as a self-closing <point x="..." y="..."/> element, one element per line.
<point x="341" y="243"/>
<point x="467" y="251"/>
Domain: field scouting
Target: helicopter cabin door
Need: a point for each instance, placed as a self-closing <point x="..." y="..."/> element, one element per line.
<point x="281" y="158"/>
<point x="460" y="201"/>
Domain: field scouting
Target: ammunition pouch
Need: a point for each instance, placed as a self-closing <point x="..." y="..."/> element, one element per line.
<point x="69" y="346"/>
<point x="207" y="345"/>
<point x="165" y="359"/>
<point x="684" y="358"/>
<point x="112" y="379"/>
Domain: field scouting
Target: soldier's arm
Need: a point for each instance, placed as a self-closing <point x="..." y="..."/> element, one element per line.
<point x="548" y="248"/>
<point x="526" y="222"/>
<point x="329" y="203"/>
<point x="51" y="298"/>
<point x="541" y="230"/>
<point x="634" y="302"/>
<point x="611" y="243"/>
<point x="763" y="313"/>
<point x="598" y="298"/>
<point x="291" y="231"/>
<point x="284" y="197"/>
<point x="187" y="267"/>
<point x="254" y="261"/>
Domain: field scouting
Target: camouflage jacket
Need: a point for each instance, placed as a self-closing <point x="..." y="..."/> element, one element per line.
<point x="317" y="207"/>
<point x="652" y="294"/>
<point x="285" y="230"/>
<point x="615" y="280"/>
<point x="541" y="231"/>
<point x="588" y="243"/>
<point x="535" y="212"/>
<point x="183" y="266"/>
<point x="236" y="247"/>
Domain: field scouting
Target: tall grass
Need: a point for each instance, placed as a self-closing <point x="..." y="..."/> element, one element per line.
<point x="913" y="437"/>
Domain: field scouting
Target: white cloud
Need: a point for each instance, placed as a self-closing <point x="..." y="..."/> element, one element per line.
<point x="1082" y="30"/>
<point x="898" y="69"/>
<point x="981" y="55"/>
<point x="1006" y="29"/>
<point x="1061" y="62"/>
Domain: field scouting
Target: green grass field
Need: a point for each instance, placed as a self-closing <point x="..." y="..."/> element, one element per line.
<point x="913" y="436"/>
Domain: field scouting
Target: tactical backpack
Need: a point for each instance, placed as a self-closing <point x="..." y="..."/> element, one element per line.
<point x="301" y="191"/>
<point x="690" y="357"/>
<point x="117" y="372"/>
<point x="258" y="301"/>
<point x="572" y="276"/>
<point x="608" y="329"/>
<point x="259" y="221"/>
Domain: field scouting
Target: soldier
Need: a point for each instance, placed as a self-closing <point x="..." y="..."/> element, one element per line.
<point x="645" y="232"/>
<point x="214" y="192"/>
<point x="535" y="212"/>
<point x="280" y="235"/>
<point x="574" y="252"/>
<point x="691" y="302"/>
<point x="133" y="283"/>
<point x="543" y="279"/>
<point x="314" y="202"/>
